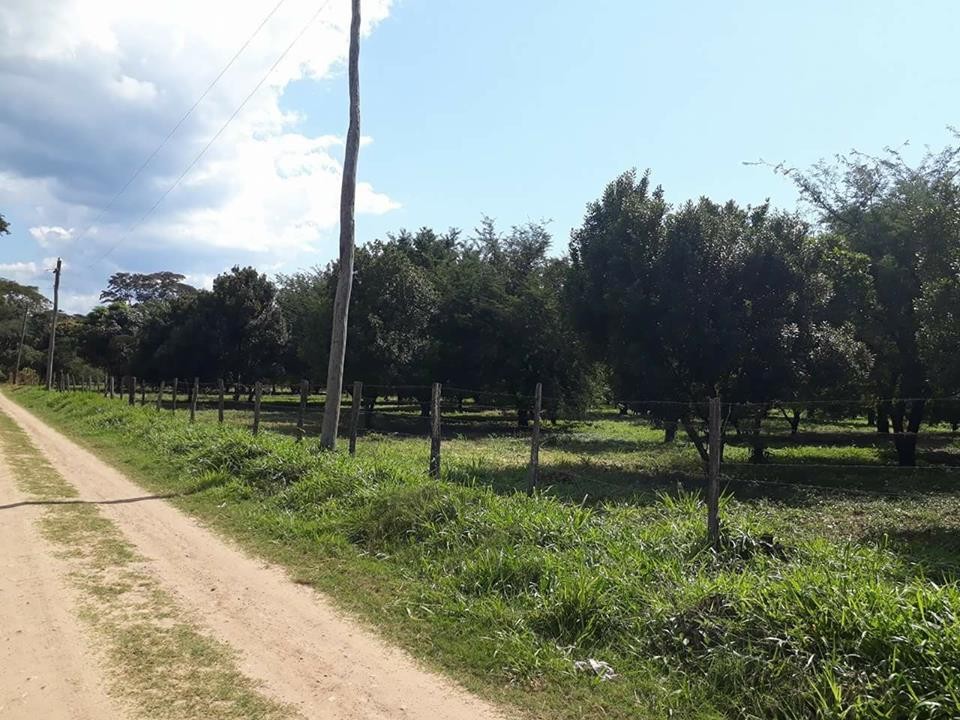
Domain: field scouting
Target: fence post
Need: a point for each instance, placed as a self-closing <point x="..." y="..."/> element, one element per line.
<point x="435" y="431"/>
<point x="112" y="382"/>
<point x="143" y="392"/>
<point x="533" y="472"/>
<point x="69" y="382"/>
<point x="132" y="390"/>
<point x="175" y="388"/>
<point x="302" y="412"/>
<point x="257" y="392"/>
<point x="193" y="399"/>
<point x="220" y="401"/>
<point x="160" y="395"/>
<point x="106" y="385"/>
<point x="713" y="473"/>
<point x="355" y="415"/>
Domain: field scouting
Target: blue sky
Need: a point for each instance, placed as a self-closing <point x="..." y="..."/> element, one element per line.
<point x="518" y="110"/>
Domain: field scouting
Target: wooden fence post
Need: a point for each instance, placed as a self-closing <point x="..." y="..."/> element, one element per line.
<point x="257" y="392"/>
<point x="106" y="385"/>
<point x="713" y="473"/>
<point x="435" y="431"/>
<point x="176" y="387"/>
<point x="132" y="390"/>
<point x="533" y="472"/>
<point x="160" y="395"/>
<point x="193" y="399"/>
<point x="355" y="415"/>
<point x="220" y="401"/>
<point x="112" y="381"/>
<point x="143" y="392"/>
<point x="302" y="412"/>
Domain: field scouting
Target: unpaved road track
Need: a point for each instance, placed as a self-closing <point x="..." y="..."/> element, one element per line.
<point x="48" y="668"/>
<point x="303" y="651"/>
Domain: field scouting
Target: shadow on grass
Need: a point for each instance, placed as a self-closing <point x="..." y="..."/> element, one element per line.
<point x="199" y="487"/>
<point x="934" y="552"/>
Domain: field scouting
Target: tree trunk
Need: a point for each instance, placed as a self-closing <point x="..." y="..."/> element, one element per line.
<point x="795" y="422"/>
<point x="883" y="416"/>
<point x="523" y="417"/>
<point x="348" y="191"/>
<point x="756" y="453"/>
<point x="905" y="434"/>
<point x="669" y="431"/>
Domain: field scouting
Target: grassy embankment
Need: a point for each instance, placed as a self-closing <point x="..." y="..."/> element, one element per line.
<point x="850" y="612"/>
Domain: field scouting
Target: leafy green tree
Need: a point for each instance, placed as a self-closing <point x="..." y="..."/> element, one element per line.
<point x="695" y="301"/>
<point x="905" y="219"/>
<point x="108" y="337"/>
<point x="4" y="225"/>
<point x="242" y="324"/>
<point x="135" y="288"/>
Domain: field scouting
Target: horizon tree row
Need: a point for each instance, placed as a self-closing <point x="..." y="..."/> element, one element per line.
<point x="655" y="302"/>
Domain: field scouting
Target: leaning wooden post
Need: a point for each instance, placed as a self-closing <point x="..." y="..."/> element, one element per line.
<point x="193" y="399"/>
<point x="533" y="472"/>
<point x="132" y="390"/>
<point x="160" y="395"/>
<point x="220" y="401"/>
<point x="175" y="388"/>
<point x="302" y="412"/>
<point x="713" y="473"/>
<point x="257" y="392"/>
<point x="355" y="415"/>
<point x="435" y="431"/>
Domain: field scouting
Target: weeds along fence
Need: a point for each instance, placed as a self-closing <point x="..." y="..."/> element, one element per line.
<point x="779" y="449"/>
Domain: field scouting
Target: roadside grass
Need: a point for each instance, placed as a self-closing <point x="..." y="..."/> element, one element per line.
<point x="159" y="664"/>
<point x="820" y="602"/>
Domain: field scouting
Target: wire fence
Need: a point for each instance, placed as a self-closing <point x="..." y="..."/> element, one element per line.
<point x="881" y="449"/>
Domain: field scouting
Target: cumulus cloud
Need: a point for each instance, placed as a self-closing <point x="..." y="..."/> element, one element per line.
<point x="47" y="235"/>
<point x="92" y="86"/>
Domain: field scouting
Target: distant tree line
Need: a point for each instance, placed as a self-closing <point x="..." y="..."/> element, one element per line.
<point x="658" y="305"/>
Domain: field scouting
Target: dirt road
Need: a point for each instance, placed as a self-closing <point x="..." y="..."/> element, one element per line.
<point x="48" y="660"/>
<point x="288" y="637"/>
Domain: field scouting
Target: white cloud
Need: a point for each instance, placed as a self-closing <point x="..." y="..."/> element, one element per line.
<point x="99" y="83"/>
<point x="47" y="235"/>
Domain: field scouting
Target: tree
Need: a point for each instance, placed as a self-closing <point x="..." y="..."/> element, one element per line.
<point x="108" y="337"/>
<point x="20" y="305"/>
<point x="4" y="225"/>
<point x="691" y="302"/>
<point x="905" y="219"/>
<point x="137" y="288"/>
<point x="242" y="323"/>
<point x="348" y="191"/>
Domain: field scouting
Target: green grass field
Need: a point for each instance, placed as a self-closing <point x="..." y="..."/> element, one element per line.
<point x="834" y="593"/>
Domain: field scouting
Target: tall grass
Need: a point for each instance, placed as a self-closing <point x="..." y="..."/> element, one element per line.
<point x="509" y="591"/>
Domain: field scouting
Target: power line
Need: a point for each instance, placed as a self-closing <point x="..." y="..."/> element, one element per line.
<point x="219" y="132"/>
<point x="182" y="120"/>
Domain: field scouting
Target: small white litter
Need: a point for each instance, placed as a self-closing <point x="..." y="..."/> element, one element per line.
<point x="598" y="667"/>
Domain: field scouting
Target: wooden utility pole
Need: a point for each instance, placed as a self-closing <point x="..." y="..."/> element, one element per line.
<point x="435" y="431"/>
<point x="257" y="394"/>
<point x="23" y="335"/>
<point x="348" y="192"/>
<point x="355" y="415"/>
<point x="53" y="324"/>
<point x="193" y="399"/>
<point x="533" y="472"/>
<point x="713" y="472"/>
<point x="302" y="413"/>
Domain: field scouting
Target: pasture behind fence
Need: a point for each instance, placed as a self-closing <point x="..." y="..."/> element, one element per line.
<point x="740" y="446"/>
